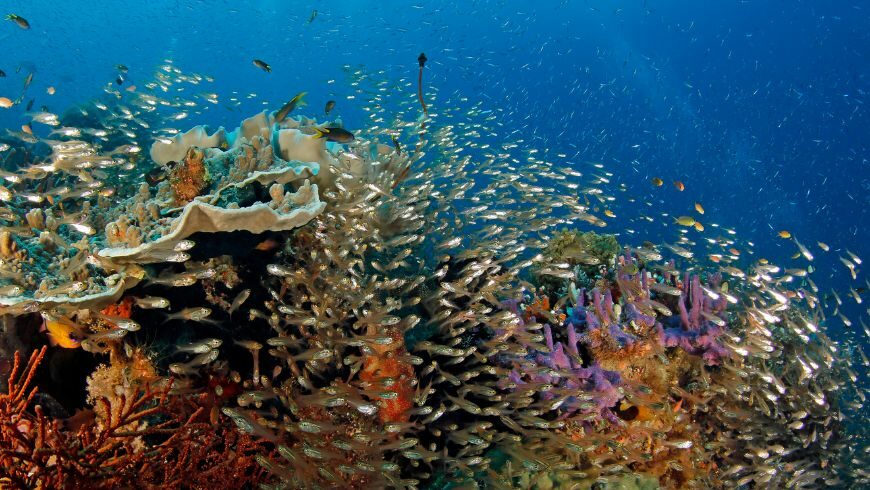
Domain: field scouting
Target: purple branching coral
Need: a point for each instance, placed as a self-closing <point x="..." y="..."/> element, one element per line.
<point x="594" y="390"/>
<point x="700" y="326"/>
<point x="605" y="328"/>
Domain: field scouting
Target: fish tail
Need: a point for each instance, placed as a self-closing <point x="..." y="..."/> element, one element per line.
<point x="319" y="131"/>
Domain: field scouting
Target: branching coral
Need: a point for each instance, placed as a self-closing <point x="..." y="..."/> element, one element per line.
<point x="149" y="440"/>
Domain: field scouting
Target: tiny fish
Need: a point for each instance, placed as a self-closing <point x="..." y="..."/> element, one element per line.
<point x="199" y="347"/>
<point x="803" y="250"/>
<point x="657" y="181"/>
<point x="784" y="234"/>
<point x="679" y="185"/>
<point x="699" y="208"/>
<point x="6" y="102"/>
<point x="19" y="20"/>
<point x="239" y="300"/>
<point x="263" y="66"/>
<point x="151" y="302"/>
<point x="11" y="290"/>
<point x="330" y="105"/>
<point x="196" y="313"/>
<point x="298" y="100"/>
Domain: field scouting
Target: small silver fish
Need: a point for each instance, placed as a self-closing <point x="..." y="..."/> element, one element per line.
<point x="200" y="347"/>
<point x="239" y="300"/>
<point x="151" y="302"/>
<point x="194" y="314"/>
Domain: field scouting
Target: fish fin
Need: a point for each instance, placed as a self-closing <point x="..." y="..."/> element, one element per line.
<point x="320" y="131"/>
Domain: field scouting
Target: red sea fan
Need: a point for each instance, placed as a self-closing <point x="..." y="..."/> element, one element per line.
<point x="153" y="440"/>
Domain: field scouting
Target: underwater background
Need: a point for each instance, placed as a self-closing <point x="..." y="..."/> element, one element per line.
<point x="758" y="110"/>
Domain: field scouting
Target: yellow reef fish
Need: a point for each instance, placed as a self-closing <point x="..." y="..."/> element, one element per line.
<point x="686" y="221"/>
<point x="784" y="234"/>
<point x="63" y="333"/>
<point x="699" y="208"/>
<point x="657" y="181"/>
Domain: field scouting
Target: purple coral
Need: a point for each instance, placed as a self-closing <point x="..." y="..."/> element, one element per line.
<point x="697" y="334"/>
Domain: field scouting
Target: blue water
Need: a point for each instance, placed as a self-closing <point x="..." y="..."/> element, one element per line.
<point x="760" y="108"/>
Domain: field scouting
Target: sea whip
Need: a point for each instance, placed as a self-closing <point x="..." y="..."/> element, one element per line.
<point x="422" y="60"/>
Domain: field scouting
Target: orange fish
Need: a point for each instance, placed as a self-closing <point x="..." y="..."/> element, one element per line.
<point x="267" y="245"/>
<point x="679" y="185"/>
<point x="699" y="208"/>
<point x="656" y="181"/>
<point x="784" y="234"/>
<point x="63" y="333"/>
<point x="699" y="226"/>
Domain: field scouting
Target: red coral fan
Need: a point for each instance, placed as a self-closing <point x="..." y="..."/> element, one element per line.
<point x="152" y="440"/>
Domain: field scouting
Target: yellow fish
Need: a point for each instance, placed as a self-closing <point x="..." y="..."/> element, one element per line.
<point x="609" y="213"/>
<point x="686" y="221"/>
<point x="657" y="181"/>
<point x="784" y="234"/>
<point x="699" y="226"/>
<point x="63" y="333"/>
<point x="699" y="208"/>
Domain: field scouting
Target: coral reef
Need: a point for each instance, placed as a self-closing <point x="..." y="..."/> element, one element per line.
<point x="587" y="254"/>
<point x="379" y="316"/>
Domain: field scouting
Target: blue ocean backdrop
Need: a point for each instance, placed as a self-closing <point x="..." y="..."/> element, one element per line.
<point x="760" y="108"/>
